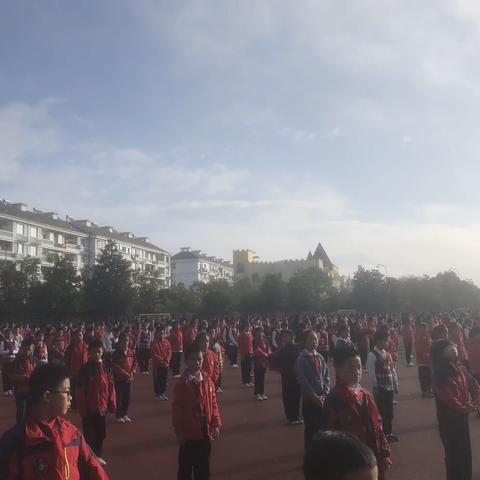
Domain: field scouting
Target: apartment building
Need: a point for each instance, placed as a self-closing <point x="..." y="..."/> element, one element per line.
<point x="190" y="266"/>
<point x="26" y="231"/>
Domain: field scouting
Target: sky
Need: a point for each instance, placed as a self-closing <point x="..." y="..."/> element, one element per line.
<point x="270" y="125"/>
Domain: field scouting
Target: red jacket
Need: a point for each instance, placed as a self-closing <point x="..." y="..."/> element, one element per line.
<point x="190" y="335"/>
<point x="454" y="396"/>
<point x="245" y="344"/>
<point x="95" y="390"/>
<point x="408" y="332"/>
<point x="455" y="334"/>
<point x="22" y="369"/>
<point x="49" y="451"/>
<point x="210" y="365"/>
<point x="124" y="365"/>
<point x="261" y="353"/>
<point x="423" y="345"/>
<point x="176" y="340"/>
<point x="474" y="356"/>
<point x="187" y="405"/>
<point x="161" y="352"/>
<point x="355" y="412"/>
<point x="76" y="355"/>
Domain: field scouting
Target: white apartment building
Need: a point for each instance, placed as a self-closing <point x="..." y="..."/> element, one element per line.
<point x="26" y="231"/>
<point x="190" y="266"/>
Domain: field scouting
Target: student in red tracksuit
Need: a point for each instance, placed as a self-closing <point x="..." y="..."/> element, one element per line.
<point x="124" y="368"/>
<point x="76" y="355"/>
<point x="57" y="351"/>
<point x="474" y="352"/>
<point x="210" y="361"/>
<point x="40" y="354"/>
<point x="350" y="408"/>
<point x="457" y="394"/>
<point x="22" y="369"/>
<point x="423" y="345"/>
<point x="456" y="335"/>
<point x="176" y="342"/>
<point x="261" y="354"/>
<point x="408" y="332"/>
<point x="48" y="446"/>
<point x="195" y="417"/>
<point x="161" y="353"/>
<point x="245" y="350"/>
<point x="96" y="397"/>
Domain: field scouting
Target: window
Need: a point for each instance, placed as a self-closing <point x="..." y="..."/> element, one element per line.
<point x="32" y="250"/>
<point x="48" y="236"/>
<point x="20" y="229"/>
<point x="20" y="248"/>
<point x="60" y="239"/>
<point x="101" y="244"/>
<point x="34" y="232"/>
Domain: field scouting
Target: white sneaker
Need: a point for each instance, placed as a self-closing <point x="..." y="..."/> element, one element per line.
<point x="264" y="397"/>
<point x="245" y="385"/>
<point x="251" y="385"/>
<point x="127" y="419"/>
<point x="101" y="461"/>
<point x="219" y="390"/>
<point x="120" y="420"/>
<point x="176" y="376"/>
<point x="234" y="365"/>
<point x="164" y="397"/>
<point x="259" y="397"/>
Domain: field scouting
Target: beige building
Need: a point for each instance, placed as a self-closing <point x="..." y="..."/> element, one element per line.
<point x="246" y="265"/>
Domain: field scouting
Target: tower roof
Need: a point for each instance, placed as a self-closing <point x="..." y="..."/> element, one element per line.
<point x="321" y="254"/>
<point x="309" y="256"/>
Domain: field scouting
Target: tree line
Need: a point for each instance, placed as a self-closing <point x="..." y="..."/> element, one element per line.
<point x="111" y="290"/>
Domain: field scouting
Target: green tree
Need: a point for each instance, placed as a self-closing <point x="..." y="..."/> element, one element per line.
<point x="150" y="297"/>
<point x="245" y="296"/>
<point x="181" y="300"/>
<point x="309" y="289"/>
<point x="216" y="297"/>
<point x="108" y="286"/>
<point x="369" y="290"/>
<point x="273" y="294"/>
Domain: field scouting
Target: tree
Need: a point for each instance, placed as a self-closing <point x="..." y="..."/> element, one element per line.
<point x="182" y="300"/>
<point x="108" y="288"/>
<point x="308" y="289"/>
<point x="273" y="294"/>
<point x="61" y="290"/>
<point x="150" y="297"/>
<point x="216" y="297"/>
<point x="245" y="296"/>
<point x="369" y="290"/>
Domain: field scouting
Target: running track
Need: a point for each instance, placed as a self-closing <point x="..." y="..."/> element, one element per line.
<point x="255" y="444"/>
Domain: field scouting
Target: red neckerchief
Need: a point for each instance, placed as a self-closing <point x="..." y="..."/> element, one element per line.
<point x="354" y="397"/>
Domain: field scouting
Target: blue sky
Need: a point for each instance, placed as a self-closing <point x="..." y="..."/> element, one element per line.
<point x="266" y="125"/>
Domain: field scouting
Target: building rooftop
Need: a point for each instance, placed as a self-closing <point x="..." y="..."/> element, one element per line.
<point x="187" y="254"/>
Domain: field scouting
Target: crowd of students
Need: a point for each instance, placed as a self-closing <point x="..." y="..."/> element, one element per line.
<point x="90" y="368"/>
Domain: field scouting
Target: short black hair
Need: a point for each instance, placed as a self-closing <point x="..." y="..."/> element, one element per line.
<point x="191" y="350"/>
<point x="27" y="342"/>
<point x="332" y="455"/>
<point x="341" y="355"/>
<point x="95" y="344"/>
<point x="380" y="336"/>
<point x="343" y="328"/>
<point x="47" y="377"/>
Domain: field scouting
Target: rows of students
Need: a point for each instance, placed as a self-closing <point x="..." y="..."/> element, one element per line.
<point x="301" y="355"/>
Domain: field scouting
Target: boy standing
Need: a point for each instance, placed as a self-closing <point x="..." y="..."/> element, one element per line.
<point x="245" y="350"/>
<point x="382" y="373"/>
<point x="195" y="417"/>
<point x="96" y="398"/>
<point x="161" y="356"/>
<point x="22" y="369"/>
<point x="59" y="449"/>
<point x="423" y="345"/>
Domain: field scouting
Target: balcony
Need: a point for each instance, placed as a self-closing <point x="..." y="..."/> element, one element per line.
<point x="6" y="234"/>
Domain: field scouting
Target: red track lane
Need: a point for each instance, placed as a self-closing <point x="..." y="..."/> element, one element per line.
<point x="255" y="443"/>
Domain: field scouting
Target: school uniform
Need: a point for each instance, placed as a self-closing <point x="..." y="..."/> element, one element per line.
<point x="452" y="395"/>
<point x="312" y="375"/>
<point x="353" y="410"/>
<point x="456" y="335"/>
<point x="286" y="358"/>
<point x="176" y="343"/>
<point x="8" y="351"/>
<point x="364" y="344"/>
<point x="23" y="367"/>
<point x="40" y="354"/>
<point x="124" y="367"/>
<point x="231" y="344"/>
<point x="323" y="344"/>
<point x="47" y="450"/>
<point x="76" y="355"/>
<point x="161" y="355"/>
<point x="261" y="352"/>
<point x="143" y="350"/>
<point x="245" y="350"/>
<point x="382" y="373"/>
<point x="96" y="397"/>
<point x="408" y="333"/>
<point x="210" y="365"/>
<point x="423" y="345"/>
<point x="194" y="416"/>
<point x="473" y="350"/>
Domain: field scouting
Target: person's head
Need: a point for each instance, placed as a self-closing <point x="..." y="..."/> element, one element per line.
<point x="49" y="388"/>
<point x="348" y="366"/>
<point x="122" y="341"/>
<point x="78" y="336"/>
<point x="95" y="352"/>
<point x="27" y="347"/>
<point x="343" y="331"/>
<point x="310" y="340"/>
<point x="160" y="332"/>
<point x="381" y="339"/>
<point x="193" y="359"/>
<point x="258" y="333"/>
<point x="39" y="336"/>
<point x="444" y="352"/>
<point x="422" y="327"/>
<point x="202" y="341"/>
<point x="339" y="456"/>
<point x="440" y="332"/>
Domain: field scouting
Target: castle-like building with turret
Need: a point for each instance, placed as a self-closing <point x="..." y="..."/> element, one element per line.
<point x="246" y="265"/>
